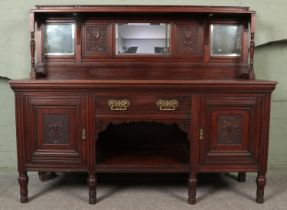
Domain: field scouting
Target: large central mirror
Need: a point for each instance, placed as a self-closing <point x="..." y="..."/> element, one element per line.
<point x="142" y="38"/>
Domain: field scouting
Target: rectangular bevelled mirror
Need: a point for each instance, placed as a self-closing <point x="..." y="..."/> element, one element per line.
<point x="225" y="40"/>
<point x="59" y="39"/>
<point x="142" y="38"/>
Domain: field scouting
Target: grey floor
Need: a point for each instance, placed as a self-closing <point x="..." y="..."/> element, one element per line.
<point x="144" y="192"/>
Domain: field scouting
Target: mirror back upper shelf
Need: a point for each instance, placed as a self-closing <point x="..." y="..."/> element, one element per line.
<point x="142" y="42"/>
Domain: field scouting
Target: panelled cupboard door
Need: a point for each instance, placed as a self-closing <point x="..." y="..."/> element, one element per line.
<point x="229" y="131"/>
<point x="56" y="126"/>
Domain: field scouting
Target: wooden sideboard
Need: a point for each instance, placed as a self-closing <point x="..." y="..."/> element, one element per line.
<point x="152" y="89"/>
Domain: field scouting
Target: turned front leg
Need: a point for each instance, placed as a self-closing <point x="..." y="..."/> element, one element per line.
<point x="260" y="181"/>
<point x="23" y="182"/>
<point x="92" y="182"/>
<point x="192" y="182"/>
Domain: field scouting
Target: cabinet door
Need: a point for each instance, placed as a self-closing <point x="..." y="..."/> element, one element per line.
<point x="56" y="126"/>
<point x="229" y="130"/>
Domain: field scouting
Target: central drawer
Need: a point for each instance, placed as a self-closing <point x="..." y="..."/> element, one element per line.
<point x="156" y="103"/>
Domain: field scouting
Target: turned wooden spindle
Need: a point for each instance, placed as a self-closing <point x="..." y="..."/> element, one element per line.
<point x="92" y="182"/>
<point x="192" y="183"/>
<point x="261" y="182"/>
<point x="23" y="182"/>
<point x="252" y="47"/>
<point x="32" y="49"/>
<point x="32" y="45"/>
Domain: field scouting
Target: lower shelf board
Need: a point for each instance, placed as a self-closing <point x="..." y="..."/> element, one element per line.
<point x="143" y="157"/>
<point x="144" y="161"/>
<point x="101" y="168"/>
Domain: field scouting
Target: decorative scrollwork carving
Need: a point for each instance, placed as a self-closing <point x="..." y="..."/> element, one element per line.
<point x="96" y="39"/>
<point x="188" y="40"/>
<point x="55" y="128"/>
<point x="229" y="129"/>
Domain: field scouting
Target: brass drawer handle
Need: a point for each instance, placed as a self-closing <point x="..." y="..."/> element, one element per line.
<point x="119" y="105"/>
<point x="167" y="105"/>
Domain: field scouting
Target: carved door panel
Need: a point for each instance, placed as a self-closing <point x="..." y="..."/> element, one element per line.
<point x="56" y="128"/>
<point x="228" y="131"/>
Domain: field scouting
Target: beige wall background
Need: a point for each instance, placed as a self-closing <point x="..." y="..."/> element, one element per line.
<point x="270" y="62"/>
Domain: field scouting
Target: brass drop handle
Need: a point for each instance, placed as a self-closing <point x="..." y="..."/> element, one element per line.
<point x="167" y="105"/>
<point x="119" y="105"/>
<point x="84" y="134"/>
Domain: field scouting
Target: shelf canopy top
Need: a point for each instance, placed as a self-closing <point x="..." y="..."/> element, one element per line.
<point x="139" y="9"/>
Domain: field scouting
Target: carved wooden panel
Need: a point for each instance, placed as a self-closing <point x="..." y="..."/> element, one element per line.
<point x="96" y="39"/>
<point x="188" y="39"/>
<point x="55" y="128"/>
<point x="229" y="129"/>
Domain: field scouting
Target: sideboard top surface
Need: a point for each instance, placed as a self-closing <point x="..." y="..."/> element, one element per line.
<point x="212" y="85"/>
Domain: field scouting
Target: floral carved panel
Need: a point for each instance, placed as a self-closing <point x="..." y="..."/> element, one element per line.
<point x="229" y="129"/>
<point x="188" y="39"/>
<point x="55" y="128"/>
<point x="96" y="39"/>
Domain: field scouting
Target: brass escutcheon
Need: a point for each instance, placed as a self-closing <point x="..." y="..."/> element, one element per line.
<point x="84" y="134"/>
<point x="201" y="134"/>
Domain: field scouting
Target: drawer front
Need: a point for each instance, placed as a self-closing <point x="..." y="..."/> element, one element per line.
<point x="127" y="103"/>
